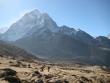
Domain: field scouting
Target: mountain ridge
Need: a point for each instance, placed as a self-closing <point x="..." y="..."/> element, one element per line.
<point x="38" y="34"/>
<point x="9" y="50"/>
<point x="29" y="20"/>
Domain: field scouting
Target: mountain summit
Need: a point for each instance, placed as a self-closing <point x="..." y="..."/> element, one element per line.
<point x="38" y="34"/>
<point x="29" y="23"/>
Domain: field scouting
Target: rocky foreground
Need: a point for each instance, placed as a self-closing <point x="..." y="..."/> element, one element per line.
<point x="19" y="71"/>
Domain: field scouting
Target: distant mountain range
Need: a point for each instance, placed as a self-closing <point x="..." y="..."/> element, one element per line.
<point x="37" y="33"/>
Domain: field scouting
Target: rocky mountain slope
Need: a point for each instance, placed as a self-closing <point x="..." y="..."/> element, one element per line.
<point x="103" y="42"/>
<point x="37" y="33"/>
<point x="28" y="24"/>
<point x="3" y="29"/>
<point x="10" y="51"/>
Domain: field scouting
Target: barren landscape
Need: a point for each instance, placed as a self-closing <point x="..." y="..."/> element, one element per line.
<point x="19" y="71"/>
<point x="55" y="41"/>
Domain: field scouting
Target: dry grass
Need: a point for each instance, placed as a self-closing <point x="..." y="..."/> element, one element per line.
<point x="38" y="72"/>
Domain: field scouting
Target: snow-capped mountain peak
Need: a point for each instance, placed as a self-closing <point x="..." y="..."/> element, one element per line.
<point x="30" y="22"/>
<point x="35" y="12"/>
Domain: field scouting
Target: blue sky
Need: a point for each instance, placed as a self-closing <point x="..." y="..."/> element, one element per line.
<point x="92" y="16"/>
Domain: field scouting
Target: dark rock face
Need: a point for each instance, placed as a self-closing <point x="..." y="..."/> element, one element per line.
<point x="62" y="47"/>
<point x="12" y="79"/>
<point x="9" y="75"/>
<point x="54" y="45"/>
<point x="103" y="42"/>
<point x="39" y="81"/>
<point x="7" y="72"/>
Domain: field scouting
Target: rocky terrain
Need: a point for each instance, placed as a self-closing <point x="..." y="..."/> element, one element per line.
<point x="19" y="71"/>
